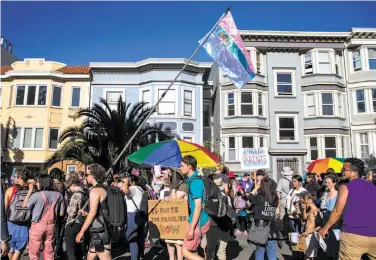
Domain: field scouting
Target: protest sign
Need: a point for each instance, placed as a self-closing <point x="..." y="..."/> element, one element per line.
<point x="168" y="219"/>
<point x="254" y="158"/>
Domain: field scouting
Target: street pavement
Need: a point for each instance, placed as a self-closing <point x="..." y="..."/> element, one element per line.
<point x="236" y="250"/>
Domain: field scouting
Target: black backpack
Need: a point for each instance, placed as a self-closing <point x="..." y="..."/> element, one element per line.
<point x="114" y="211"/>
<point x="18" y="214"/>
<point x="215" y="203"/>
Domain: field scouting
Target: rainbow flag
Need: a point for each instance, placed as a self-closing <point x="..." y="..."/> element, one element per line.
<point x="227" y="49"/>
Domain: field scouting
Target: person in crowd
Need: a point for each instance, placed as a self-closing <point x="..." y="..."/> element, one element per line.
<point x="198" y="220"/>
<point x="247" y="183"/>
<point x="165" y="192"/>
<point x="313" y="222"/>
<point x="329" y="198"/>
<point x="221" y="170"/>
<point x="77" y="201"/>
<point x="136" y="200"/>
<point x="179" y="190"/>
<point x="231" y="184"/>
<point x="291" y="200"/>
<point x="371" y="176"/>
<point x="283" y="188"/>
<point x="311" y="184"/>
<point x="99" y="245"/>
<point x="46" y="205"/>
<point x="19" y="232"/>
<point x="219" y="232"/>
<point x="241" y="214"/>
<point x="4" y="227"/>
<point x="264" y="201"/>
<point x="359" y="227"/>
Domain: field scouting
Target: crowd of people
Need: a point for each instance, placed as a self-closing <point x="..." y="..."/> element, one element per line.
<point x="332" y="213"/>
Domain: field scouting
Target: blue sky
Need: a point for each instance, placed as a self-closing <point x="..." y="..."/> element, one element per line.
<point x="77" y="33"/>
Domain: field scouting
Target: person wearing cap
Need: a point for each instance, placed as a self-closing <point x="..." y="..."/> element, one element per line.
<point x="283" y="189"/>
<point x="247" y="183"/>
<point x="220" y="169"/>
<point x="219" y="232"/>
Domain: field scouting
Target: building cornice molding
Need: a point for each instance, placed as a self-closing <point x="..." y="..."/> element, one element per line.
<point x="146" y="82"/>
<point x="56" y="76"/>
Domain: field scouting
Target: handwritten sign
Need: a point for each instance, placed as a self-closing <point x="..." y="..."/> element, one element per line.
<point x="168" y="219"/>
<point x="254" y="158"/>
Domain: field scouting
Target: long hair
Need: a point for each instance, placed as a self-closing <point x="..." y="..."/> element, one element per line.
<point x="46" y="182"/>
<point x="268" y="190"/>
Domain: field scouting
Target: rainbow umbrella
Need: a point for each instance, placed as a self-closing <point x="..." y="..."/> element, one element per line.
<point x="321" y="165"/>
<point x="169" y="154"/>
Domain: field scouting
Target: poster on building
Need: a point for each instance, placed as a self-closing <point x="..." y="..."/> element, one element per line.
<point x="168" y="219"/>
<point x="255" y="158"/>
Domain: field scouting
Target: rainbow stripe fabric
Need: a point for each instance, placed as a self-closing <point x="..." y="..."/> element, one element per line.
<point x="227" y="49"/>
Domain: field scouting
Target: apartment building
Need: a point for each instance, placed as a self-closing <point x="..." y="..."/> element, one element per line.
<point x="313" y="97"/>
<point x="38" y="100"/>
<point x="180" y="113"/>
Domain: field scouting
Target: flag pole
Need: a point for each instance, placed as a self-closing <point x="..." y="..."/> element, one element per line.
<point x="165" y="92"/>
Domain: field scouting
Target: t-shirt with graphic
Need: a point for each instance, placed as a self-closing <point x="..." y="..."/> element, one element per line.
<point x="247" y="186"/>
<point x="262" y="210"/>
<point x="196" y="191"/>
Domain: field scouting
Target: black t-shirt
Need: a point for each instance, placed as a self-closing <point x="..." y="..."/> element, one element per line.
<point x="262" y="209"/>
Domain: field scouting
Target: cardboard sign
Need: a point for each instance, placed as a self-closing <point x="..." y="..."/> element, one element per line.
<point x="168" y="219"/>
<point x="301" y="246"/>
<point x="254" y="158"/>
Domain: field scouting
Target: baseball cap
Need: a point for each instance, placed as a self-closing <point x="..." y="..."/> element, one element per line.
<point x="231" y="175"/>
<point x="260" y="172"/>
<point x="246" y="174"/>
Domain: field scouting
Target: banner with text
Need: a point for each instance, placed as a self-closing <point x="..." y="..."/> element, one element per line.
<point x="254" y="158"/>
<point x="168" y="219"/>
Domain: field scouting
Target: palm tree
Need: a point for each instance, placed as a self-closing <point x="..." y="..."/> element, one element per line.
<point x="104" y="133"/>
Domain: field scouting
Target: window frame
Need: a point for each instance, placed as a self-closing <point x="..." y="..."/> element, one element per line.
<point x="363" y="144"/>
<point x="305" y="63"/>
<point x="49" y="138"/>
<point x="307" y="106"/>
<point x="327" y="104"/>
<point x="296" y="136"/>
<point x="293" y="84"/>
<point x="107" y="90"/>
<point x="247" y="104"/>
<point x="186" y="101"/>
<point x="61" y="95"/>
<point x="373" y="99"/>
<point x="353" y="60"/>
<point x="209" y="104"/>
<point x="368" y="58"/>
<point x="33" y="136"/>
<point x="143" y="91"/>
<point x="67" y="166"/>
<point x="331" y="148"/>
<point x="162" y="90"/>
<point x="329" y="62"/>
<point x="364" y="101"/>
<point x="79" y="100"/>
<point x="231" y="148"/>
<point x="248" y="136"/>
<point x="260" y="97"/>
<point x="259" y="63"/>
<point x="228" y="104"/>
<point x="313" y="148"/>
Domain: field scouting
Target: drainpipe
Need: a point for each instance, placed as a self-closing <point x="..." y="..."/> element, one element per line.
<point x="348" y="99"/>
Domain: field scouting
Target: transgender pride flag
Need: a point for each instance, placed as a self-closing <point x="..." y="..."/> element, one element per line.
<point x="227" y="49"/>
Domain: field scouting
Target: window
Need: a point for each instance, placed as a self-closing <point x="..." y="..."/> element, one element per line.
<point x="187" y="103"/>
<point x="231" y="149"/>
<point x="76" y="95"/>
<point x="167" y="104"/>
<point x="27" y="137"/>
<point x="372" y="58"/>
<point x="343" y="147"/>
<point x="20" y="96"/>
<point x="374" y="99"/>
<point x="42" y="95"/>
<point x="16" y="136"/>
<point x="324" y="62"/>
<point x="189" y="127"/>
<point x="38" y="139"/>
<point x="112" y="98"/>
<point x="364" y="148"/>
<point x="187" y="139"/>
<point x="286" y="129"/>
<point x="258" y="62"/>
<point x="260" y="105"/>
<point x="146" y="97"/>
<point x="230" y="104"/>
<point x="340" y="105"/>
<point x="327" y="104"/>
<point x="337" y="64"/>
<point x="27" y="95"/>
<point x="314" y="151"/>
<point x="71" y="168"/>
<point x="357" y="62"/>
<point x="246" y="103"/>
<point x="308" y="63"/>
<point x="330" y="147"/>
<point x="360" y="101"/>
<point x="10" y="101"/>
<point x="247" y="141"/>
<point x="284" y="84"/>
<point x="261" y="140"/>
<point x="206" y="114"/>
<point x="54" y="138"/>
<point x="311" y="105"/>
<point x="56" y="96"/>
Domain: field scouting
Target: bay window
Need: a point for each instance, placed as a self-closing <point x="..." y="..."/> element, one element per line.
<point x="261" y="141"/>
<point x="357" y="61"/>
<point x="330" y="146"/>
<point x="327" y="104"/>
<point x="308" y="68"/>
<point x="27" y="137"/>
<point x="187" y="103"/>
<point x="246" y="103"/>
<point x="360" y="101"/>
<point x="374" y="99"/>
<point x="53" y="138"/>
<point x="76" y="96"/>
<point x="324" y="65"/>
<point x="372" y="58"/>
<point x="260" y="104"/>
<point x="230" y="104"/>
<point x="313" y="148"/>
<point x="56" y="96"/>
<point x="112" y="98"/>
<point x="167" y="104"/>
<point x="247" y="142"/>
<point x="311" y="105"/>
<point x="231" y="149"/>
<point x="364" y="146"/>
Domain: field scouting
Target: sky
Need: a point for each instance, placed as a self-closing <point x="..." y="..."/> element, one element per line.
<point x="76" y="33"/>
